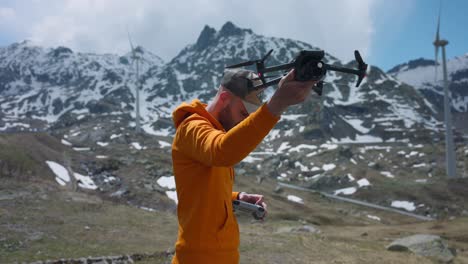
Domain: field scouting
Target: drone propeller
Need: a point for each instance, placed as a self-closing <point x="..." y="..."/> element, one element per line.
<point x="361" y="66"/>
<point x="267" y="55"/>
<point x="251" y="62"/>
<point x="242" y="64"/>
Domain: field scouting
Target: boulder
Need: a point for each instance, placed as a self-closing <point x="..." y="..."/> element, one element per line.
<point x="431" y="246"/>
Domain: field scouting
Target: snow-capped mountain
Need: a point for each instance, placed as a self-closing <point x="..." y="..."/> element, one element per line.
<point x="40" y="86"/>
<point x="380" y="109"/>
<point x="59" y="86"/>
<point x="421" y="74"/>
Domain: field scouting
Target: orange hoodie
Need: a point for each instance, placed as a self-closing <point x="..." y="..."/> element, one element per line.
<point x="203" y="156"/>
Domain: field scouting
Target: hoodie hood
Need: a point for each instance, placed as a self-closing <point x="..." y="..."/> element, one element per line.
<point x="185" y="110"/>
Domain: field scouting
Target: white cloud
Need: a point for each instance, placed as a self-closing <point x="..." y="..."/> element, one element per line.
<point x="338" y="26"/>
<point x="7" y="13"/>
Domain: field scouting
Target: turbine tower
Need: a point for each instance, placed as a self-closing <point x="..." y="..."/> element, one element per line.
<point x="136" y="58"/>
<point x="450" y="158"/>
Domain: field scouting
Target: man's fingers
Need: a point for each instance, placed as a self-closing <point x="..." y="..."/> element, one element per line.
<point x="290" y="75"/>
<point x="260" y="200"/>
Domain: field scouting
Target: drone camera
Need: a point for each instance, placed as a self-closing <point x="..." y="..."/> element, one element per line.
<point x="309" y="66"/>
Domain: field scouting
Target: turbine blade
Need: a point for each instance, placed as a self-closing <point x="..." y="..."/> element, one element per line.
<point x="131" y="44"/>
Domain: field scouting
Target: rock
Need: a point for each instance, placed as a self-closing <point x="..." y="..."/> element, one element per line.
<point x="240" y="172"/>
<point x="306" y="229"/>
<point x="299" y="229"/>
<point x="431" y="246"/>
<point x="346" y="152"/>
<point x="120" y="193"/>
<point x="278" y="189"/>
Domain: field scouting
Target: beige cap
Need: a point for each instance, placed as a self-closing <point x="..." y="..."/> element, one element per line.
<point x="242" y="83"/>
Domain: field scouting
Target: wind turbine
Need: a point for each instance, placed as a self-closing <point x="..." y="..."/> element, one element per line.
<point x="136" y="58"/>
<point x="450" y="158"/>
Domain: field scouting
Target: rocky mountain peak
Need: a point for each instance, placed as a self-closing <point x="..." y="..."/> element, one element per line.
<point x="206" y="37"/>
<point x="412" y="64"/>
<point x="229" y="29"/>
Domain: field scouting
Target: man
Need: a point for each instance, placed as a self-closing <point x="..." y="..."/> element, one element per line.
<point x="209" y="141"/>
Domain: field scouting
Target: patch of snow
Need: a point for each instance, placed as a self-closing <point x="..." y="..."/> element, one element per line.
<point x="408" y="206"/>
<point x="66" y="142"/>
<point x="283" y="146"/>
<point x="137" y="146"/>
<point x="298" y="148"/>
<point x="102" y="144"/>
<point x="274" y="133"/>
<point x="329" y="146"/>
<point x="327" y="167"/>
<point x="166" y="182"/>
<point x="312" y="154"/>
<point x="346" y="191"/>
<point x="291" y="117"/>
<point x="115" y="136"/>
<point x="419" y="165"/>
<point x="373" y="217"/>
<point x="302" y="167"/>
<point x="387" y="174"/>
<point x="62" y="176"/>
<point x="85" y="181"/>
<point x="289" y="132"/>
<point x="147" y="209"/>
<point x="172" y="195"/>
<point x="315" y="169"/>
<point x="295" y="199"/>
<point x="412" y="153"/>
<point x="82" y="149"/>
<point x="359" y="139"/>
<point x="357" y="124"/>
<point x="363" y="182"/>
<point x="164" y="144"/>
<point x="250" y="159"/>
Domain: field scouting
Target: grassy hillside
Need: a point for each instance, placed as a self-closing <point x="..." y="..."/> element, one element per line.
<point x="41" y="220"/>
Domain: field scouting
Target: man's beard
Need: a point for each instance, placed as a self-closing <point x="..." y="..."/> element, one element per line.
<point x="226" y="118"/>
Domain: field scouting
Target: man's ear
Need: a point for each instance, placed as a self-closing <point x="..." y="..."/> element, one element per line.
<point x="225" y="97"/>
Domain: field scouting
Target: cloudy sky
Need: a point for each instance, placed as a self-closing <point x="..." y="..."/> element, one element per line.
<point x="387" y="32"/>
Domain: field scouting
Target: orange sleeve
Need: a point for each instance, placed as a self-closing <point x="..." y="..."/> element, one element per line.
<point x="197" y="138"/>
<point x="234" y="195"/>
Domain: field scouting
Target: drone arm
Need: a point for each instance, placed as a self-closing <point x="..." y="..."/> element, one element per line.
<point x="341" y="69"/>
<point x="280" y="67"/>
<point x="361" y="73"/>
<point x="269" y="83"/>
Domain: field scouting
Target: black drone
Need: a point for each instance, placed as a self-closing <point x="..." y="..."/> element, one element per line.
<point x="308" y="65"/>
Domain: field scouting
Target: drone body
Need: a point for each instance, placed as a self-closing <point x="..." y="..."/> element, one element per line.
<point x="308" y="65"/>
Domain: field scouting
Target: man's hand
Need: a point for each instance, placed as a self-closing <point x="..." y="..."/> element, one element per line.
<point x="289" y="92"/>
<point x="253" y="199"/>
